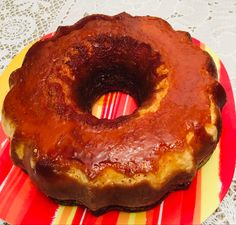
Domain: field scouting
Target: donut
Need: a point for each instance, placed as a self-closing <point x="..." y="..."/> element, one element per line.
<point x="131" y="162"/>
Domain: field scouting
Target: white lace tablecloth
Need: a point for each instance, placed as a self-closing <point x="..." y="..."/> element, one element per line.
<point x="212" y="22"/>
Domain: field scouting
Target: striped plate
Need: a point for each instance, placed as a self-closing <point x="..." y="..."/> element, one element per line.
<point x="22" y="203"/>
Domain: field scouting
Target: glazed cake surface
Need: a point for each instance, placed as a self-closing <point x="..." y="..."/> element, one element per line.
<point x="133" y="161"/>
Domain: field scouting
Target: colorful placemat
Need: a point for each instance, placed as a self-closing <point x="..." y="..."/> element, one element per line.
<point x="22" y="203"/>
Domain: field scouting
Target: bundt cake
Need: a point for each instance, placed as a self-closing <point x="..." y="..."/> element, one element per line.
<point x="130" y="162"/>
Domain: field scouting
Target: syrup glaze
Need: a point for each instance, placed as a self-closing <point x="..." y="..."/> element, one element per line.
<point x="52" y="93"/>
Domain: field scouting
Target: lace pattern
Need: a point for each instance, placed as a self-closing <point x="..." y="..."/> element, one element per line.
<point x="22" y="22"/>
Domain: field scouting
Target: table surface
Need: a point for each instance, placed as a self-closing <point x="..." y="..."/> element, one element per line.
<point x="212" y="22"/>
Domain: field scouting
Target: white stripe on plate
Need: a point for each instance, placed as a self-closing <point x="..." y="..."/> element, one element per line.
<point x="126" y="103"/>
<point x="82" y="218"/>
<point x="111" y="106"/>
<point x="3" y="145"/>
<point x="6" y="178"/>
<point x="160" y="214"/>
<point x="106" y="106"/>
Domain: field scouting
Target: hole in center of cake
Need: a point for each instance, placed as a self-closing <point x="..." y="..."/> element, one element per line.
<point x="110" y="64"/>
<point x="113" y="105"/>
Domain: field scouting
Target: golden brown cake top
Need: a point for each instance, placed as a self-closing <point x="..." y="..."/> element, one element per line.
<point x="173" y="81"/>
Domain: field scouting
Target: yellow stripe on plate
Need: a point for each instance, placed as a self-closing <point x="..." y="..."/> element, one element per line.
<point x="141" y="218"/>
<point x="97" y="107"/>
<point x="210" y="185"/>
<point x="13" y="65"/>
<point x="214" y="56"/>
<point x="210" y="180"/>
<point x="64" y="215"/>
<point x="131" y="220"/>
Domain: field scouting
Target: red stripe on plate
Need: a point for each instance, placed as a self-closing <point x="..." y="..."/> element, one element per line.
<point x="2" y="134"/>
<point x="39" y="207"/>
<point x="196" y="42"/>
<point x="110" y="106"/>
<point x="172" y="212"/>
<point x="6" y="163"/>
<point x="152" y="215"/>
<point x="88" y="219"/>
<point x="188" y="203"/>
<point x="110" y="218"/>
<point x="228" y="140"/>
<point x="20" y="205"/>
<point x="115" y="105"/>
<point x="10" y="190"/>
<point x="78" y="215"/>
<point x="121" y="104"/>
<point x="99" y="220"/>
<point x="132" y="105"/>
<point x="47" y="36"/>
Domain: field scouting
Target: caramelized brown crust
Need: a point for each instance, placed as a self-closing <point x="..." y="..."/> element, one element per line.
<point x="70" y="154"/>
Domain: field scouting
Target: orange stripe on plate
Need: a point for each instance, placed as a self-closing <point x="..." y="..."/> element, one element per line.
<point x="98" y="107"/>
<point x="197" y="209"/>
<point x="104" y="101"/>
<point x="123" y="218"/>
<point x="202" y="46"/>
<point x="150" y="215"/>
<point x="64" y="215"/>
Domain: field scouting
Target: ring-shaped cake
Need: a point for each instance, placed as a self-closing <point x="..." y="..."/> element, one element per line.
<point x="133" y="161"/>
